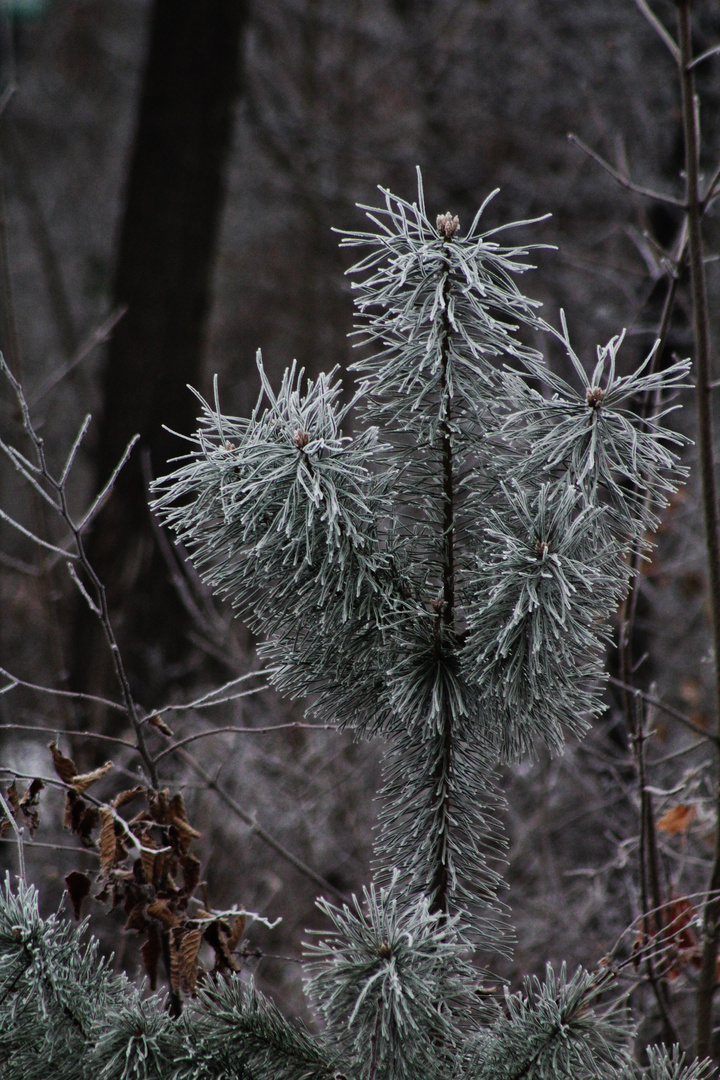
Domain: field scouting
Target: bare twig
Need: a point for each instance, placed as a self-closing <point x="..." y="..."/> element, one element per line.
<point x="651" y="699"/>
<point x="240" y="731"/>
<point x="100" y="499"/>
<point x="54" y="847"/>
<point x="703" y="395"/>
<point x="96" y="337"/>
<point x="36" y="539"/>
<point x="258" y="830"/>
<point x="60" y="305"/>
<point x="64" y="731"/>
<point x="220" y="695"/>
<point x="74" y="449"/>
<point x="76" y="694"/>
<point x="19" y="565"/>
<point x="715" y="51"/>
<point x="659" y="29"/>
<point x="636" y="925"/>
<point x="649" y="879"/>
<point x="80" y="555"/>
<point x="6" y="97"/>
<point x="624" y="181"/>
<point x="18" y="836"/>
<point x="83" y="591"/>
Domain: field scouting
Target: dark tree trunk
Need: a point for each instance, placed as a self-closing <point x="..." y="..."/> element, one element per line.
<point x="173" y="203"/>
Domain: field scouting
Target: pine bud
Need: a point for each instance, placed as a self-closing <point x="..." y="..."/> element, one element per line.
<point x="594" y="396"/>
<point x="447" y="225"/>
<point x="301" y="439"/>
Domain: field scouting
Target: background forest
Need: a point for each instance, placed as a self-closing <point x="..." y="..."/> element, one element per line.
<point x="170" y="174"/>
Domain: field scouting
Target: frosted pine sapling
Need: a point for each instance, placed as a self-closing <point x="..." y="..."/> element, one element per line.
<point x="442" y="579"/>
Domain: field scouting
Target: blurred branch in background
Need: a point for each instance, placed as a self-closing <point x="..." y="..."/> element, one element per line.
<point x="172" y="209"/>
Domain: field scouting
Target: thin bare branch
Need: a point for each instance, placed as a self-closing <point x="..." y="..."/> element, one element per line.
<point x="83" y="591"/>
<point x="20" y="565"/>
<point x="50" y="264"/>
<point x="659" y="29"/>
<point x="66" y="731"/>
<point x="26" y="469"/>
<point x="99" y="501"/>
<point x="241" y="731"/>
<point x="36" y="539"/>
<point x="258" y="830"/>
<point x="712" y="190"/>
<point x="650" y="699"/>
<point x="6" y="97"/>
<point x="74" y="694"/>
<point x="74" y="449"/>
<point x="18" y="836"/>
<point x="218" y="696"/>
<point x="624" y="181"/>
<point x="97" y="337"/>
<point x="715" y="51"/>
<point x="54" y="847"/>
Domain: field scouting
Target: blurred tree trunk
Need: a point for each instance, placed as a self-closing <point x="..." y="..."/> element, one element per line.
<point x="173" y="203"/>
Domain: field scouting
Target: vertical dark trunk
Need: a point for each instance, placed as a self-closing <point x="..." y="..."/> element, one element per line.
<point x="167" y="239"/>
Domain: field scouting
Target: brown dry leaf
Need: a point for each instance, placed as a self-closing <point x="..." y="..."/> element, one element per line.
<point x="179" y="818"/>
<point x="108" y="844"/>
<point x="187" y="830"/>
<point x="160" y="724"/>
<point x="159" y="807"/>
<point x="147" y="858"/>
<point x="217" y="936"/>
<point x="160" y="909"/>
<point x="82" y="781"/>
<point x="136" y="919"/>
<point x="177" y="809"/>
<point x="191" y="872"/>
<point x="150" y="952"/>
<point x="12" y="795"/>
<point x="29" y="804"/>
<point x="126" y="797"/>
<point x="189" y="949"/>
<point x="78" y="887"/>
<point x="164" y="866"/>
<point x="174" y="965"/>
<point x="677" y="819"/>
<point x="236" y="932"/>
<point x="80" y="818"/>
<point x="71" y="802"/>
<point x="65" y="767"/>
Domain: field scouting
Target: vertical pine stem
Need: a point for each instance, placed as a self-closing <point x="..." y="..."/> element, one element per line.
<point x="440" y="882"/>
<point x="711" y="914"/>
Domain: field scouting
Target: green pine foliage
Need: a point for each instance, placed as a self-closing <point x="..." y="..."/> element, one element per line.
<point x="442" y="577"/>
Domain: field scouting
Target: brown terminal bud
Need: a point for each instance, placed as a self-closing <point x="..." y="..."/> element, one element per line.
<point x="384" y="950"/>
<point x="301" y="439"/>
<point x="594" y="396"/>
<point x="541" y="549"/>
<point x="447" y="225"/>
